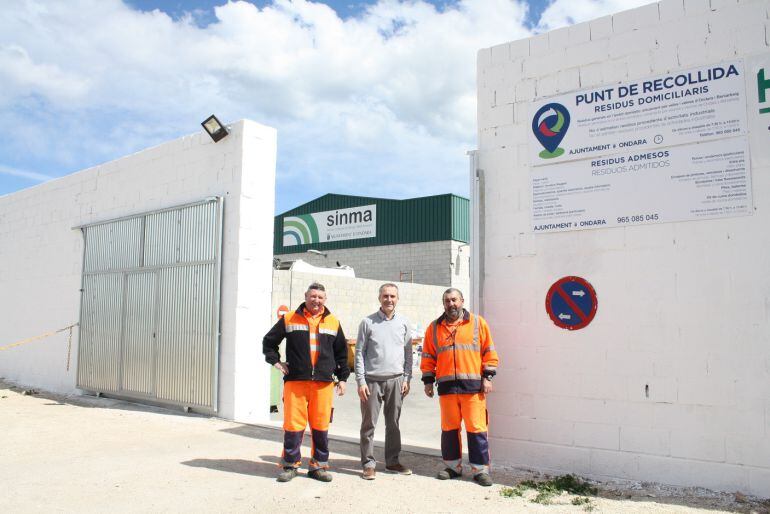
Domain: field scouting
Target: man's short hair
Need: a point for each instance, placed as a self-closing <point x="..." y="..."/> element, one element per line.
<point x="453" y="290"/>
<point x="317" y="286"/>
<point x="388" y="284"/>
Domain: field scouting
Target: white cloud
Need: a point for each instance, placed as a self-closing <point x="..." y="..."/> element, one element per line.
<point x="21" y="77"/>
<point x="390" y="93"/>
<point x="568" y="12"/>
<point x="29" y="175"/>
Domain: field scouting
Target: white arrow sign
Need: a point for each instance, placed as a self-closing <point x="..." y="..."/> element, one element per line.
<point x="579" y="292"/>
<point x="549" y="112"/>
<point x="564" y="316"/>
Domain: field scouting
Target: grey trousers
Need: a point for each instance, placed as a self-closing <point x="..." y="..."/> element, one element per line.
<point x="389" y="393"/>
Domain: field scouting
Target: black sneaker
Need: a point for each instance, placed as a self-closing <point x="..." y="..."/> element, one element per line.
<point x="287" y="474"/>
<point x="447" y="474"/>
<point x="483" y="479"/>
<point x="320" y="474"/>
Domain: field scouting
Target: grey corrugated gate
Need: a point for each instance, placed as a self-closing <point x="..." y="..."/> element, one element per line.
<point x="149" y="315"/>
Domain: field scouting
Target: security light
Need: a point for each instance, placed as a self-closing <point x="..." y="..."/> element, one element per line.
<point x="316" y="252"/>
<point x="214" y="128"/>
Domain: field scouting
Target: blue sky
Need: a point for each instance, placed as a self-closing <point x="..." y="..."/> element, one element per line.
<point x="204" y="9"/>
<point x="372" y="98"/>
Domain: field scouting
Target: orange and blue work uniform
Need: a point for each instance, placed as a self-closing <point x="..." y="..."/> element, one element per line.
<point x="457" y="356"/>
<point x="316" y="353"/>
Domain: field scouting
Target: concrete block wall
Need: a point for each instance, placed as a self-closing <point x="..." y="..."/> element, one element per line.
<point x="428" y="263"/>
<point x="352" y="299"/>
<point x="671" y="381"/>
<point x="41" y="255"/>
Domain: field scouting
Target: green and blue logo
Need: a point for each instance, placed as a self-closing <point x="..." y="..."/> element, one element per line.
<point x="550" y="124"/>
<point x="300" y="230"/>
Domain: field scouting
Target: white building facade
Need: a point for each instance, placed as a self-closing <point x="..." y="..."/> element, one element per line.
<point x="662" y="205"/>
<point x="49" y="282"/>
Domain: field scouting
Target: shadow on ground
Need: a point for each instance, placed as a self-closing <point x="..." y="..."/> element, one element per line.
<point x="345" y="460"/>
<point x="240" y="466"/>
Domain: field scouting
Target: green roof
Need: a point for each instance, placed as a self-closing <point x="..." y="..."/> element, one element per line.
<point x="414" y="220"/>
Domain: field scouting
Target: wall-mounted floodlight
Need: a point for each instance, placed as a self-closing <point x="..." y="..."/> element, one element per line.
<point x="214" y="128"/>
<point x="316" y="252"/>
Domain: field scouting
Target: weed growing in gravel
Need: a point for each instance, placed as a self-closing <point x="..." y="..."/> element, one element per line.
<point x="549" y="489"/>
<point x="585" y="502"/>
<point x="510" y="492"/>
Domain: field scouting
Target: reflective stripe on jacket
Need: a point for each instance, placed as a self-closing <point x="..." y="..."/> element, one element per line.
<point x="457" y="357"/>
<point x="332" y="357"/>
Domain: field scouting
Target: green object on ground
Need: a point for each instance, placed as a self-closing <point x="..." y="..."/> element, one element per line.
<point x="276" y="382"/>
<point x="549" y="489"/>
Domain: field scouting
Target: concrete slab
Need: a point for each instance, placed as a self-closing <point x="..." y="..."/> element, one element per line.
<point x="86" y="454"/>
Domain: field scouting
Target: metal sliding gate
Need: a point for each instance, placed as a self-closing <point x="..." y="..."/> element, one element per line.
<point x="149" y="315"/>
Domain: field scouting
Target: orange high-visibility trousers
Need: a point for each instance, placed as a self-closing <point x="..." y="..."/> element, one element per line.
<point x="470" y="409"/>
<point x="306" y="401"/>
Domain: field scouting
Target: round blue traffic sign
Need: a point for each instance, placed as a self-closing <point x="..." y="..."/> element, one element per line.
<point x="571" y="303"/>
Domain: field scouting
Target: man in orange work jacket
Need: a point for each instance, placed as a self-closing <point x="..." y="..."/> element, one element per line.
<point x="459" y="355"/>
<point x="316" y="353"/>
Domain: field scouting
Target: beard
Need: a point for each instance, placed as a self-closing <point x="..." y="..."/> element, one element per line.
<point x="453" y="313"/>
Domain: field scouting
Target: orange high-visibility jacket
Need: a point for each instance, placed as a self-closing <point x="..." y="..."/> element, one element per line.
<point x="458" y="358"/>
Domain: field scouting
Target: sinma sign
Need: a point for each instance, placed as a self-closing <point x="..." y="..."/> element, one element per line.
<point x="328" y="226"/>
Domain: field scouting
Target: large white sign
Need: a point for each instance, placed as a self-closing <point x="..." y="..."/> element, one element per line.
<point x="336" y="225"/>
<point x="695" y="181"/>
<point x="699" y="104"/>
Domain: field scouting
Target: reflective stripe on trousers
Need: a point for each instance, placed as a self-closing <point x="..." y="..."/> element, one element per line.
<point x="470" y="409"/>
<point x="306" y="401"/>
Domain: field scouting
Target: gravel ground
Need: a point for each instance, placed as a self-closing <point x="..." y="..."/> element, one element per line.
<point x="86" y="454"/>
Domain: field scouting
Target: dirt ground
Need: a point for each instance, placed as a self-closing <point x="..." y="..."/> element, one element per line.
<point x="86" y="454"/>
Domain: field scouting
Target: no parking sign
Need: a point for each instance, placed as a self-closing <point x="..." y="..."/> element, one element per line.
<point x="571" y="303"/>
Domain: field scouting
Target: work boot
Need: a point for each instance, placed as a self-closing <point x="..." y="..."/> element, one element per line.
<point x="399" y="468"/>
<point x="369" y="473"/>
<point x="287" y="474"/>
<point x="483" y="479"/>
<point x="447" y="474"/>
<point x="320" y="474"/>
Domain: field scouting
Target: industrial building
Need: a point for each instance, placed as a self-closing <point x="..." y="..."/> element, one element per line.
<point x="418" y="240"/>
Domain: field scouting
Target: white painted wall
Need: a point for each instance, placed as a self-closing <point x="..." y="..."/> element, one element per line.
<point x="434" y="262"/>
<point x="683" y="307"/>
<point x="41" y="256"/>
<point x="352" y="299"/>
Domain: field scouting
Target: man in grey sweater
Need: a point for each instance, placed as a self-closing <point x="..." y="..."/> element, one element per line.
<point x="383" y="370"/>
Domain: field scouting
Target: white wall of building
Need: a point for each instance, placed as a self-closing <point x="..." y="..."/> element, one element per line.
<point x="684" y="308"/>
<point x="41" y="255"/>
<point x="434" y="262"/>
<point x="352" y="299"/>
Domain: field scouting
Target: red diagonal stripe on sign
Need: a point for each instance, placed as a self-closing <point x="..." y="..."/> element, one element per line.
<point x="572" y="305"/>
